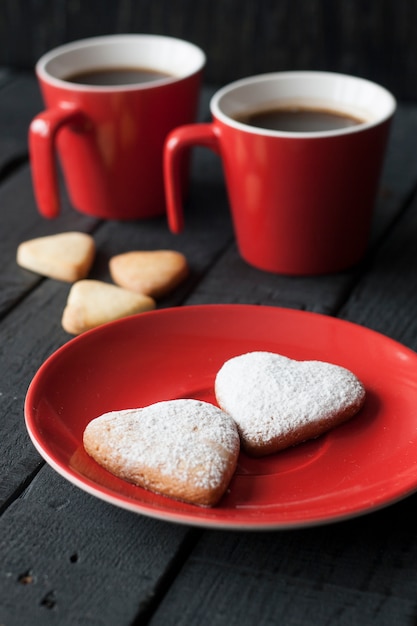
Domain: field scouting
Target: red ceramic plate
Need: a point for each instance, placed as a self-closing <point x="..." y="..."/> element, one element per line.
<point x="361" y="466"/>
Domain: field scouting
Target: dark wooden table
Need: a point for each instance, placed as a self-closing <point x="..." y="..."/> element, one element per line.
<point x="68" y="558"/>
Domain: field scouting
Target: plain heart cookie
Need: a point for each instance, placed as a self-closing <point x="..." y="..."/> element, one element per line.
<point x="65" y="256"/>
<point x="278" y="402"/>
<point x="91" y="303"/>
<point x="152" y="272"/>
<point x="184" y="449"/>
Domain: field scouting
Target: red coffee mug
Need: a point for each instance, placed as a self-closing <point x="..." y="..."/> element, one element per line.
<point x="301" y="201"/>
<point x="109" y="138"/>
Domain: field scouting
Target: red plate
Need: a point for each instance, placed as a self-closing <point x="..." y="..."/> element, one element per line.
<point x="361" y="466"/>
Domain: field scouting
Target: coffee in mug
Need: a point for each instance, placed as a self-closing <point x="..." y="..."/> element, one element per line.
<point x="117" y="76"/>
<point x="299" y="118"/>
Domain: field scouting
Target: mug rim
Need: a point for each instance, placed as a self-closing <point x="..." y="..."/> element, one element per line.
<point x="233" y="87"/>
<point x="41" y="67"/>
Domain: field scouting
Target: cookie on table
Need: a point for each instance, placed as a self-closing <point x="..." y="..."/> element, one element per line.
<point x="185" y="449"/>
<point x="278" y="402"/>
<point x="91" y="303"/>
<point x="64" y="256"/>
<point x="154" y="272"/>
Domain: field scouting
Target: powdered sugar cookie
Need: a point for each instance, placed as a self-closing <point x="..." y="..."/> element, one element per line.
<point x="185" y="449"/>
<point x="278" y="402"/>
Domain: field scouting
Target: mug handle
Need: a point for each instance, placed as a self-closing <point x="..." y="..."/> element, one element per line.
<point x="177" y="141"/>
<point x="42" y="138"/>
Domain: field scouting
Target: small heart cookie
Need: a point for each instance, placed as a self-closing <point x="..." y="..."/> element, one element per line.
<point x="153" y="272"/>
<point x="65" y="256"/>
<point x="185" y="449"/>
<point x="278" y="402"/>
<point x="91" y="303"/>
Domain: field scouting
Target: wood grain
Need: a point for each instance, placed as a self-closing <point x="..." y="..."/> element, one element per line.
<point x="64" y="569"/>
<point x="313" y="576"/>
<point x="374" y="39"/>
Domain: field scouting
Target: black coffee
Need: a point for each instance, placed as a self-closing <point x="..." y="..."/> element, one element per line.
<point x="107" y="76"/>
<point x="299" y="119"/>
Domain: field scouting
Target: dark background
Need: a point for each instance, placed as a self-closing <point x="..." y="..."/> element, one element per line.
<point x="376" y="39"/>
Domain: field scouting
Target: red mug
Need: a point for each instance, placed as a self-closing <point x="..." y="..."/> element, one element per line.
<point x="301" y="199"/>
<point x="107" y="127"/>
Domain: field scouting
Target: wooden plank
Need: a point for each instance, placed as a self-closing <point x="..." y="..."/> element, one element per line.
<point x="373" y="39"/>
<point x="385" y="299"/>
<point x="20" y="101"/>
<point x="27" y="338"/>
<point x="399" y="176"/>
<point x="233" y="281"/>
<point x="337" y="574"/>
<point x="68" y="558"/>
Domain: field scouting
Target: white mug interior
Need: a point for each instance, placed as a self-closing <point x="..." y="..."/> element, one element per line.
<point x="350" y="95"/>
<point x="176" y="57"/>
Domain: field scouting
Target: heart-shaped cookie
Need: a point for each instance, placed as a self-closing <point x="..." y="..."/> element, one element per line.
<point x="278" y="402"/>
<point x="91" y="303"/>
<point x="152" y="272"/>
<point x="185" y="449"/>
<point x="64" y="256"/>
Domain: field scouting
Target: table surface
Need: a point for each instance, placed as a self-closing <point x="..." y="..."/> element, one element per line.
<point x="67" y="557"/>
